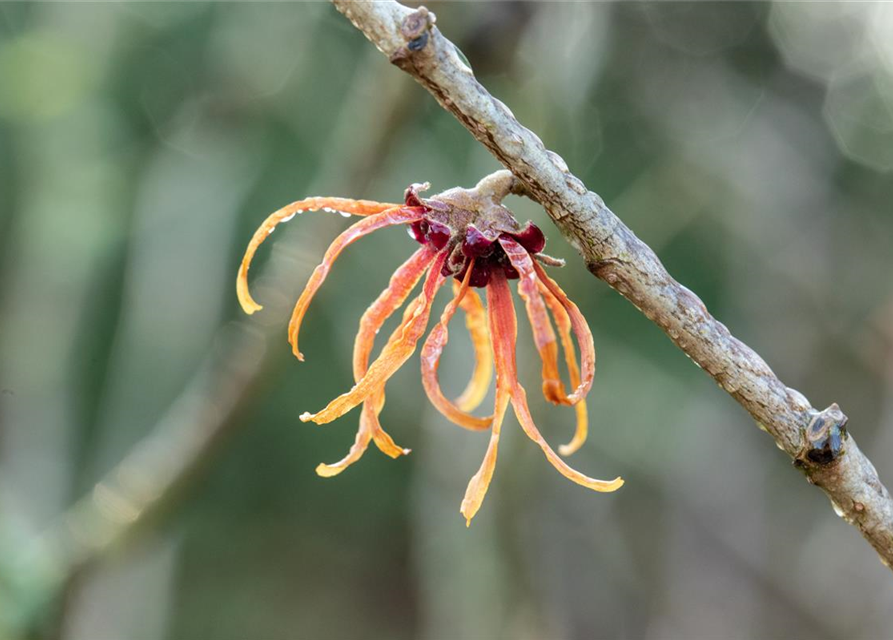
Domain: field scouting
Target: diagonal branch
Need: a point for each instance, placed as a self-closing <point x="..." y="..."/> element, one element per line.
<point x="816" y="440"/>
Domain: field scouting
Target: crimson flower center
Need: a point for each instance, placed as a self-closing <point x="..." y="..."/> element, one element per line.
<point x="468" y="245"/>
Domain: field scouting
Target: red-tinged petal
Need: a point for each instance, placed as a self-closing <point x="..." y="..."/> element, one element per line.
<point x="581" y="331"/>
<point x="543" y="335"/>
<point x="394" y="354"/>
<point x="563" y="322"/>
<point x="402" y="282"/>
<point x="400" y="285"/>
<point x="373" y="405"/>
<point x="480" y="481"/>
<point x="399" y="215"/>
<point x="476" y="322"/>
<point x="531" y="238"/>
<point x="503" y="328"/>
<point x="286" y="213"/>
<point x="476" y="244"/>
<point x="430" y="358"/>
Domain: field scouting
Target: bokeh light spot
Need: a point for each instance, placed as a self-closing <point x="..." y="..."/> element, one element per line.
<point x="859" y="111"/>
<point x="700" y="28"/>
<point x="822" y="39"/>
<point x="41" y="76"/>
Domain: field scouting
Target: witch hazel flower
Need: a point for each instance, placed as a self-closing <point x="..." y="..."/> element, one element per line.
<point x="469" y="237"/>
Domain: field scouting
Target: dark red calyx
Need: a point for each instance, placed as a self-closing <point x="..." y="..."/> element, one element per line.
<point x="487" y="253"/>
<point x="530" y="237"/>
<point x="510" y="272"/>
<point x="480" y="274"/>
<point x="476" y="244"/>
<point x="418" y="230"/>
<point x="438" y="234"/>
<point x="430" y="232"/>
<point x="468" y="228"/>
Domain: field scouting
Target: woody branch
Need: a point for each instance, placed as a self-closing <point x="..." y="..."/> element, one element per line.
<point x="817" y="441"/>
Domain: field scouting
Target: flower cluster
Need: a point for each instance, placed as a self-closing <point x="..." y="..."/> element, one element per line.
<point x="468" y="236"/>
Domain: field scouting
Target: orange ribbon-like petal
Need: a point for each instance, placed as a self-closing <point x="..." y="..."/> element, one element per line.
<point x="430" y="358"/>
<point x="361" y="443"/>
<point x="398" y="215"/>
<point x="480" y="481"/>
<point x="394" y="354"/>
<point x="476" y="323"/>
<point x="581" y="331"/>
<point x="543" y="335"/>
<point x="401" y="284"/>
<point x="563" y="322"/>
<point x="286" y="213"/>
<point x="503" y="328"/>
<point x="370" y="429"/>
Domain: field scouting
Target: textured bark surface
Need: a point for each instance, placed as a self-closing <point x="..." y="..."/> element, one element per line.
<point x="816" y="440"/>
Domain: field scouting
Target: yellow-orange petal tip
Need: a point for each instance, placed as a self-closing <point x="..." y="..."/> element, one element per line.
<point x="247" y="303"/>
<point x="327" y="471"/>
<point x="567" y="449"/>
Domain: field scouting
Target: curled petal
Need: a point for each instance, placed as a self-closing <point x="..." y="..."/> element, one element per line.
<point x="476" y="323"/>
<point x="401" y="283"/>
<point x="370" y="429"/>
<point x="543" y="335"/>
<point x="398" y="215"/>
<point x="563" y="322"/>
<point x="382" y="439"/>
<point x="430" y="358"/>
<point x="480" y="481"/>
<point x="355" y="453"/>
<point x="503" y="328"/>
<point x="581" y="331"/>
<point x="394" y="354"/>
<point x="369" y="419"/>
<point x="373" y="405"/>
<point x="519" y="403"/>
<point x="581" y="431"/>
<point x="286" y="213"/>
<point x="364" y="435"/>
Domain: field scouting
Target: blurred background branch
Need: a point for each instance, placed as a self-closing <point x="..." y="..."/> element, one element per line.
<point x="182" y="442"/>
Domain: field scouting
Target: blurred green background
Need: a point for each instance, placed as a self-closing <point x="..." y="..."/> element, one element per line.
<point x="155" y="482"/>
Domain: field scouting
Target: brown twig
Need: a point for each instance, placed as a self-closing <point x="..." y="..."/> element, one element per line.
<point x="816" y="440"/>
